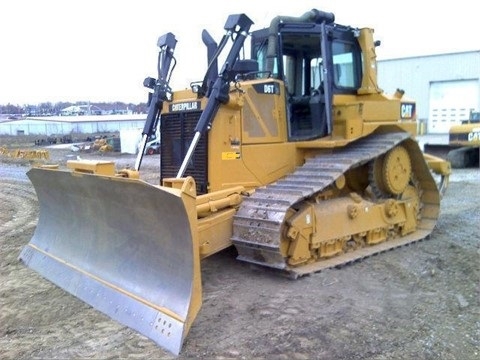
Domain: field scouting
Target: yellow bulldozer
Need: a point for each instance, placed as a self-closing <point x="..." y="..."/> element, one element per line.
<point x="294" y="155"/>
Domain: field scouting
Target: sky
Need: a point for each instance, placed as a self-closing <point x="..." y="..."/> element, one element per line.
<point x="101" y="50"/>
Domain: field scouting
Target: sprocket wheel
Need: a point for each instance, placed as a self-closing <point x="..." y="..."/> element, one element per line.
<point x="397" y="170"/>
<point x="390" y="174"/>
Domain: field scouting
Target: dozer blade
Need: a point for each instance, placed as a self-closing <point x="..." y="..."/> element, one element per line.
<point x="125" y="247"/>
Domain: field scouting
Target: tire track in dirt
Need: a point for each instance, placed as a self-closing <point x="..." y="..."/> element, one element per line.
<point x="18" y="218"/>
<point x="419" y="301"/>
<point x="19" y="207"/>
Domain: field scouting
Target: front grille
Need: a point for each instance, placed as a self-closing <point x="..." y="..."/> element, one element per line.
<point x="177" y="131"/>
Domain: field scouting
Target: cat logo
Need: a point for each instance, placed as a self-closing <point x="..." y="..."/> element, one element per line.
<point x="474" y="135"/>
<point x="407" y="111"/>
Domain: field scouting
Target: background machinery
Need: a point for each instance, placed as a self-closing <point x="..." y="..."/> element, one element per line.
<point x="293" y="155"/>
<point x="463" y="148"/>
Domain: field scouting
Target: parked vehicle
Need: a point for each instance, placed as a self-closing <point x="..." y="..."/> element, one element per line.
<point x="152" y="148"/>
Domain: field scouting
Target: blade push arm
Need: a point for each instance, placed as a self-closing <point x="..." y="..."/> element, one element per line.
<point x="237" y="26"/>
<point x="161" y="90"/>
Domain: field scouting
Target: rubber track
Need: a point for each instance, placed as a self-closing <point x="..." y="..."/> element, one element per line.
<point x="258" y="223"/>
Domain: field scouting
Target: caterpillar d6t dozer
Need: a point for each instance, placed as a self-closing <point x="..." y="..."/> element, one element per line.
<point x="294" y="155"/>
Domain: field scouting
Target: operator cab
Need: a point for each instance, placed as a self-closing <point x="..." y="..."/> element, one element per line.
<point x="314" y="66"/>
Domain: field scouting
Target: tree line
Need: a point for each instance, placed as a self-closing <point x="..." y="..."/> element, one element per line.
<point x="53" y="109"/>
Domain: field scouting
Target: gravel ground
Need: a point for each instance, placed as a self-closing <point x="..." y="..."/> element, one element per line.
<point x="416" y="302"/>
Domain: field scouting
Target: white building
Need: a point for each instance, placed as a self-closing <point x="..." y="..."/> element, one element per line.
<point x="80" y="110"/>
<point x="446" y="86"/>
<point x="69" y="125"/>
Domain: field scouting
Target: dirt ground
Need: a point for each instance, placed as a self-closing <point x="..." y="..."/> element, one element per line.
<point x="416" y="302"/>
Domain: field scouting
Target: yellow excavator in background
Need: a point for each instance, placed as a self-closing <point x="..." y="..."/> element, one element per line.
<point x="294" y="155"/>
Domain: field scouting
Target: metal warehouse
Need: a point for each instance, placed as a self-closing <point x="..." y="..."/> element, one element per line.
<point x="63" y="125"/>
<point x="445" y="87"/>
